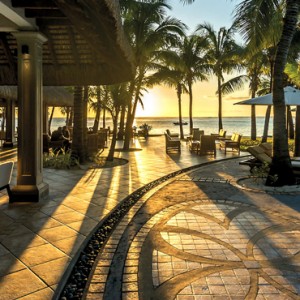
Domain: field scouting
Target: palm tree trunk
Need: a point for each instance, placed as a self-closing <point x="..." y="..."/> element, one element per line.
<point x="179" y="92"/>
<point x="266" y="126"/>
<point x="50" y="120"/>
<point x="253" y="123"/>
<point x="70" y="121"/>
<point x="110" y="156"/>
<point x="98" y="111"/>
<point x="122" y="123"/>
<point x="78" y="142"/>
<point x="191" y="107"/>
<point x="129" y="118"/>
<point x="104" y="118"/>
<point x="220" y="104"/>
<point x="281" y="167"/>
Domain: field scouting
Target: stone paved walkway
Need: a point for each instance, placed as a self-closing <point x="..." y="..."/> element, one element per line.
<point x="202" y="236"/>
<point x="39" y="241"/>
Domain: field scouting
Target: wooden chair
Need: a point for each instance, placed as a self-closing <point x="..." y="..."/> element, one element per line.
<point x="233" y="143"/>
<point x="220" y="135"/>
<point x="195" y="140"/>
<point x="172" y="143"/>
<point x="6" y="169"/>
<point x="171" y="134"/>
<point x="55" y="145"/>
<point x="207" y="145"/>
<point x="92" y="143"/>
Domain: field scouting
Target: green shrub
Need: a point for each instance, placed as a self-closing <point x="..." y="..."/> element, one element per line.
<point x="59" y="159"/>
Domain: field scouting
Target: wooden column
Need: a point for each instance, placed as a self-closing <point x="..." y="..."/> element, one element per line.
<point x="30" y="185"/>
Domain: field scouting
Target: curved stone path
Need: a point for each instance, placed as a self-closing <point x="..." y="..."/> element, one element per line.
<point x="200" y="237"/>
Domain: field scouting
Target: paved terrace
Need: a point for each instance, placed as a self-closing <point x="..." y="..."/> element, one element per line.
<point x="196" y="236"/>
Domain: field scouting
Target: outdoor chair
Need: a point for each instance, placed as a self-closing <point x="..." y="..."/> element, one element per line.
<point x="207" y="145"/>
<point x="55" y="145"/>
<point x="195" y="139"/>
<point x="233" y="143"/>
<point x="172" y="143"/>
<point x="172" y="134"/>
<point x="190" y="137"/>
<point x="261" y="155"/>
<point x="6" y="169"/>
<point x="92" y="143"/>
<point x="220" y="135"/>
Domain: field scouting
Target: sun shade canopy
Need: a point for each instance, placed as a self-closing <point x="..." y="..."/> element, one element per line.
<point x="291" y="97"/>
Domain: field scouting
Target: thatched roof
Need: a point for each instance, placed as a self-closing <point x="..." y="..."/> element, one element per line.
<point x="52" y="95"/>
<point x="86" y="43"/>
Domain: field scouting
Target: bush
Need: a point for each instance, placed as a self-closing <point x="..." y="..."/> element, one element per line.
<point x="59" y="159"/>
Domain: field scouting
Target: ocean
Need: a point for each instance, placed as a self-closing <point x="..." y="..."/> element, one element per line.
<point x="241" y="125"/>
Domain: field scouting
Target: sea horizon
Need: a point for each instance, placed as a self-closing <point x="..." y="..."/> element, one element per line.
<point x="240" y="125"/>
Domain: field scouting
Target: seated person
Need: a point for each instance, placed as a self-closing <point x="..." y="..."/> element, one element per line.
<point x="66" y="132"/>
<point x="57" y="135"/>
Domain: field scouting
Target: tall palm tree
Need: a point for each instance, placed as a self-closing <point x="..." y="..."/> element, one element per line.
<point x="194" y="56"/>
<point x="148" y="30"/>
<point x="117" y="97"/>
<point x="281" y="168"/>
<point x="171" y="72"/>
<point x="254" y="64"/>
<point x="223" y="54"/>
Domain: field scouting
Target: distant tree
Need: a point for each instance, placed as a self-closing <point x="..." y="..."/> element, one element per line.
<point x="148" y="30"/>
<point x="117" y="95"/>
<point x="223" y="52"/>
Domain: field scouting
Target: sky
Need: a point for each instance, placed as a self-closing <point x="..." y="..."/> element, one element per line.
<point x="162" y="101"/>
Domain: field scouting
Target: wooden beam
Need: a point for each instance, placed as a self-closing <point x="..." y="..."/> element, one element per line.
<point x="8" y="55"/>
<point x="33" y="3"/>
<point x="44" y="13"/>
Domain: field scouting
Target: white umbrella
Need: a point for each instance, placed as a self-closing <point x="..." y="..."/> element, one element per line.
<point x="291" y="97"/>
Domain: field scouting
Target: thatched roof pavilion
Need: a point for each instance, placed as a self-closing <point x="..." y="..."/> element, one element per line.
<point x="54" y="43"/>
<point x="85" y="46"/>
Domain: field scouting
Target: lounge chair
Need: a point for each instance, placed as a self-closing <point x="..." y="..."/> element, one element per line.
<point x="171" y="134"/>
<point x="207" y="145"/>
<point x="6" y="169"/>
<point x="233" y="142"/>
<point x="261" y="155"/>
<point x="220" y="135"/>
<point x="172" y="143"/>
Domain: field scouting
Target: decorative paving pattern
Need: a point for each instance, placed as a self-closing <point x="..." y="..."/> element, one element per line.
<point x="200" y="249"/>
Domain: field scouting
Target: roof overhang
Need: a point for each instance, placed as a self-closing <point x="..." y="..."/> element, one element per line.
<point x="86" y="43"/>
<point x="52" y="95"/>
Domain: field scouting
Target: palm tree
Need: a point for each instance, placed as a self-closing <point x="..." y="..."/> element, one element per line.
<point x="148" y="30"/>
<point x="281" y="168"/>
<point x="223" y="55"/>
<point x="193" y="53"/>
<point x="117" y="96"/>
<point x="171" y="73"/>
<point x="183" y="66"/>
<point x="255" y="65"/>
<point x="50" y="120"/>
<point x="78" y="148"/>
